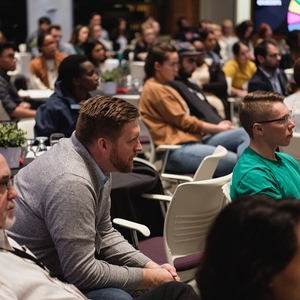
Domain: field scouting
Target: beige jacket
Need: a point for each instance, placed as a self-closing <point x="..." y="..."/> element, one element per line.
<point x="166" y="115"/>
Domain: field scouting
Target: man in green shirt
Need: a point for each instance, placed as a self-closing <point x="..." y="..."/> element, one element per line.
<point x="260" y="169"/>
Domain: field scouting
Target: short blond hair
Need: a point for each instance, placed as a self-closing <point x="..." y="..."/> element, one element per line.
<point x="256" y="107"/>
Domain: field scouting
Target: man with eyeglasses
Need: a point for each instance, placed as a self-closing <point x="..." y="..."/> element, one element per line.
<point x="66" y="48"/>
<point x="261" y="169"/>
<point x="268" y="76"/>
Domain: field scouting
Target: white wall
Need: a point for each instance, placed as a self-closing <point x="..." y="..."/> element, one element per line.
<point x="218" y="10"/>
<point x="59" y="11"/>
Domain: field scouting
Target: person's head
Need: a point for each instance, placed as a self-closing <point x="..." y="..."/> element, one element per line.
<point x="188" y="56"/>
<point x="182" y="22"/>
<point x="7" y="195"/>
<point x="253" y="251"/>
<point x="227" y="27"/>
<point x="209" y="40"/>
<point x="264" y="31"/>
<point x="267" y="55"/>
<point x="56" y="32"/>
<point x="110" y="126"/>
<point x="47" y="44"/>
<point x="147" y="33"/>
<point x="7" y="57"/>
<point x="95" y="32"/>
<point x="294" y="86"/>
<point x="122" y="24"/>
<point x="245" y="30"/>
<point x="44" y="23"/>
<point x="156" y="28"/>
<point x="241" y="53"/>
<point x="95" y="51"/>
<point x="95" y="18"/>
<point x="199" y="46"/>
<point x="77" y="72"/>
<point x="161" y="62"/>
<point x="265" y="115"/>
<point x="79" y="35"/>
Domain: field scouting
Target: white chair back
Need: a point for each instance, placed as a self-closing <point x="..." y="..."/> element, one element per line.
<point x="190" y="214"/>
<point x="226" y="192"/>
<point x="137" y="70"/>
<point x="28" y="126"/>
<point x="3" y="114"/>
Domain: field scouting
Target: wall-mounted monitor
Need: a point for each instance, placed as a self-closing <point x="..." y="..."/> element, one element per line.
<point x="282" y="15"/>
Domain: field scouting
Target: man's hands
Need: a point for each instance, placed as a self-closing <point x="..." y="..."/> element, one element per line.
<point x="155" y="275"/>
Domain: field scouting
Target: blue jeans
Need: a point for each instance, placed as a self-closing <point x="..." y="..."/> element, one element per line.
<point x="187" y="159"/>
<point x="107" y="294"/>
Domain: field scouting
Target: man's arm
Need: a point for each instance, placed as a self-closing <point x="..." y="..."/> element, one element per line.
<point x="21" y="112"/>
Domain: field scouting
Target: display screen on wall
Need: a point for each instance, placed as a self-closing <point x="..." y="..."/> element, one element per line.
<point x="282" y="15"/>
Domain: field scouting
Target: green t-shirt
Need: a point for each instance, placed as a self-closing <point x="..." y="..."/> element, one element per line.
<point x="254" y="174"/>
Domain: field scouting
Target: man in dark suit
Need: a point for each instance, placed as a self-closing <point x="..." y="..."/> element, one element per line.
<point x="268" y="76"/>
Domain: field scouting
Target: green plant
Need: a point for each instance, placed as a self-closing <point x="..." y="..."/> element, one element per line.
<point x="110" y="75"/>
<point x="11" y="135"/>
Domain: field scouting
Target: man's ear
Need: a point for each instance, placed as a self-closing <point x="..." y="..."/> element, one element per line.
<point x="258" y="129"/>
<point x="76" y="81"/>
<point x="260" y="59"/>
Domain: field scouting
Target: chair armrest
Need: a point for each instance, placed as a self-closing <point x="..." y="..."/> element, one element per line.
<point x="176" y="177"/>
<point x="144" y="230"/>
<point x="159" y="197"/>
<point x="163" y="148"/>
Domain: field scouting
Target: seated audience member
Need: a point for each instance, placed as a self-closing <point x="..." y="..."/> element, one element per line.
<point x="167" y="116"/>
<point x="79" y="36"/>
<point x="31" y="42"/>
<point x="211" y="79"/>
<point x="120" y="36"/>
<point x="268" y="76"/>
<point x="183" y="26"/>
<point x="210" y="42"/>
<point x="261" y="169"/>
<point x="56" y="32"/>
<point x="96" y="18"/>
<point x="147" y="39"/>
<point x="76" y="78"/>
<point x="95" y="33"/>
<point x="245" y="31"/>
<point x="227" y="40"/>
<point x="11" y="102"/>
<point x="63" y="208"/>
<point x="22" y="276"/>
<point x="293" y="100"/>
<point x="96" y="54"/>
<point x="252" y="251"/>
<point x="240" y="69"/>
<point x="44" y="68"/>
<point x="264" y="32"/>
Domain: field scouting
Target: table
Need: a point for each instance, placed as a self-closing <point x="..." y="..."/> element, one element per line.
<point x="36" y="95"/>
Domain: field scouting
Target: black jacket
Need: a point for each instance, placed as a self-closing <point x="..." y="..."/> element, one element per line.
<point x="260" y="82"/>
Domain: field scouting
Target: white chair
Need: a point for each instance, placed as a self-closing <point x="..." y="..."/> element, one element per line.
<point x="226" y="192"/>
<point x="206" y="168"/>
<point x="3" y="114"/>
<point x="137" y="70"/>
<point x="293" y="148"/>
<point x="28" y="126"/>
<point x="192" y="209"/>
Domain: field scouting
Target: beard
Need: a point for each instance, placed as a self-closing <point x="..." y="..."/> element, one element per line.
<point x="9" y="222"/>
<point x="120" y="164"/>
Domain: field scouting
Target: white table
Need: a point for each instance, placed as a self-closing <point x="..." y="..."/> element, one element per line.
<point x="37" y="95"/>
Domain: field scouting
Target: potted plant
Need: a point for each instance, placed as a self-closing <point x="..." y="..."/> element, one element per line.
<point x="11" y="141"/>
<point x="109" y="79"/>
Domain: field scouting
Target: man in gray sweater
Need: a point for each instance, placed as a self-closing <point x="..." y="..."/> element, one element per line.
<point x="63" y="207"/>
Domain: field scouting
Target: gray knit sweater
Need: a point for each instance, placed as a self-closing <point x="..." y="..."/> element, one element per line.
<point x="63" y="216"/>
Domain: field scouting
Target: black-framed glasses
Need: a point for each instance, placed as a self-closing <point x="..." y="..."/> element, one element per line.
<point x="284" y="119"/>
<point x="8" y="184"/>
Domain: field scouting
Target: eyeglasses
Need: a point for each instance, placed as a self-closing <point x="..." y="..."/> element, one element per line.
<point x="8" y="184"/>
<point x="284" y="119"/>
<point x="191" y="60"/>
<point x="274" y="55"/>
